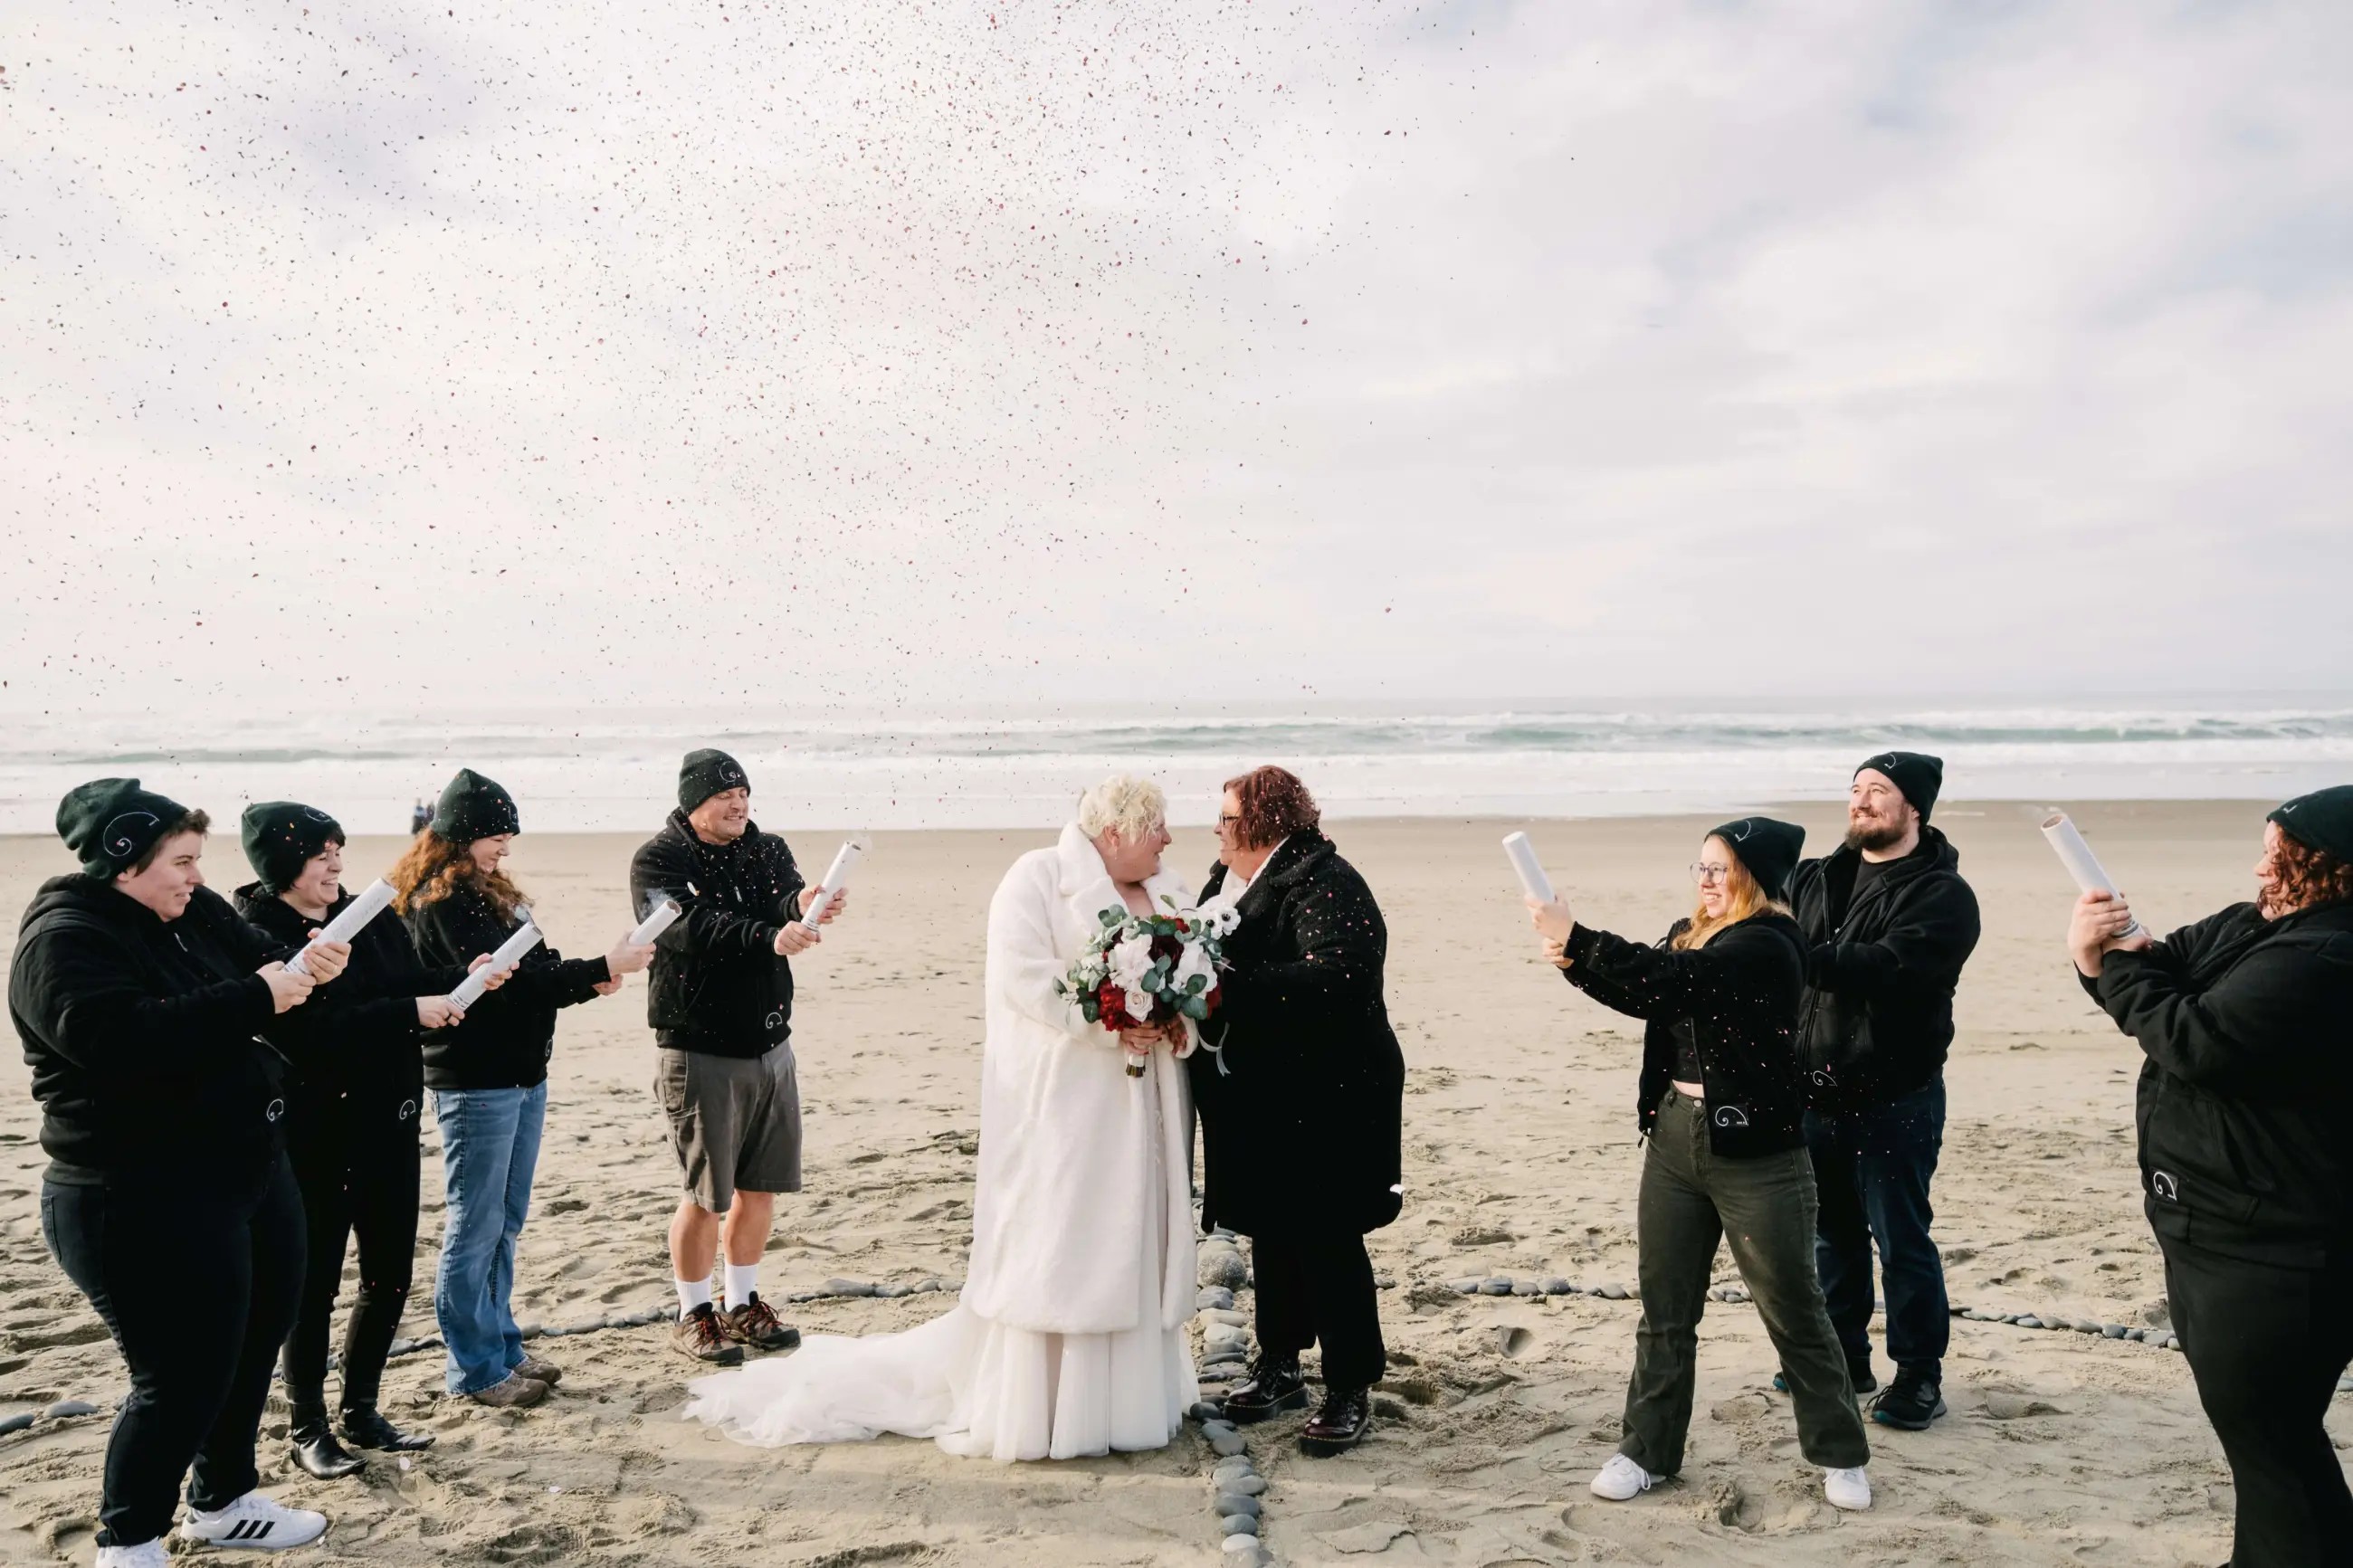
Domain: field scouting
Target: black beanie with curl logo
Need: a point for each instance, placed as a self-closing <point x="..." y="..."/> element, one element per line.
<point x="110" y="823"/>
<point x="1768" y="849"/>
<point x="707" y="772"/>
<point x="282" y="835"/>
<point x="1918" y="775"/>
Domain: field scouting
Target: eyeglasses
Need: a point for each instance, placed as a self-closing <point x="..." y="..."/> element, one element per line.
<point x="1229" y="820"/>
<point x="1704" y="872"/>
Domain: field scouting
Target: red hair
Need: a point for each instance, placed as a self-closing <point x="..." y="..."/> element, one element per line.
<point x="1274" y="805"/>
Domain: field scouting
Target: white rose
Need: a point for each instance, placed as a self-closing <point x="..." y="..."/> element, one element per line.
<point x="1131" y="960"/>
<point x="1195" y="962"/>
<point x="1139" y="1005"/>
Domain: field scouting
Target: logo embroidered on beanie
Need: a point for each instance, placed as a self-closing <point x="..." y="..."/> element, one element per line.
<point x="119" y="842"/>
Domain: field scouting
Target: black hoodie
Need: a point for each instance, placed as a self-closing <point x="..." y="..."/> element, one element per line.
<point x="509" y="1033"/>
<point x="144" y="1034"/>
<point x="1879" y="974"/>
<point x="363" y="1068"/>
<point x="2248" y="1027"/>
<point x="1738" y="994"/>
<point x="719" y="985"/>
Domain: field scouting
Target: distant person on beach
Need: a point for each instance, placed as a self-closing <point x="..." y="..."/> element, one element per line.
<point x="355" y="1099"/>
<point x="721" y="1006"/>
<point x="420" y="818"/>
<point x="1722" y="1103"/>
<point x="488" y="1077"/>
<point x="1301" y="1104"/>
<point x="1887" y="922"/>
<point x="142" y="1002"/>
<point x="1069" y="1336"/>
<point x="2245" y="1019"/>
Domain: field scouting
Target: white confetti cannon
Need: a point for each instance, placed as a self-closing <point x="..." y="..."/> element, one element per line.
<point x="836" y="877"/>
<point x="346" y="925"/>
<point x="655" y="923"/>
<point x="510" y="953"/>
<point x="1531" y="870"/>
<point x="2081" y="863"/>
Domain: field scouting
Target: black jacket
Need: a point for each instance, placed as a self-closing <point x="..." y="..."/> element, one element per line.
<point x="1880" y="973"/>
<point x="1302" y="1129"/>
<point x="510" y="1033"/>
<point x="2248" y="1027"/>
<point x="362" y="1066"/>
<point x="719" y="985"/>
<point x="144" y="1034"/>
<point x="1739" y="994"/>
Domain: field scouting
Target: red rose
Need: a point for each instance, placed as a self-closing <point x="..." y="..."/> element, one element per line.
<point x="1111" y="1004"/>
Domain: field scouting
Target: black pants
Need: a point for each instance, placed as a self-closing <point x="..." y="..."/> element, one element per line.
<point x="1318" y="1288"/>
<point x="1691" y="1202"/>
<point x="363" y="1183"/>
<point x="2267" y="1344"/>
<point x="196" y="1272"/>
<point x="1871" y="1170"/>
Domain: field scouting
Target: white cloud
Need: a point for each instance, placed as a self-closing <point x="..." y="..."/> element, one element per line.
<point x="1216" y="349"/>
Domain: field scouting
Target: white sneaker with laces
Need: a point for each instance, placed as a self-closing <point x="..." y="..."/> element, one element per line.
<point x="1847" y="1488"/>
<point x="1621" y="1478"/>
<point x="146" y="1554"/>
<point x="254" y="1520"/>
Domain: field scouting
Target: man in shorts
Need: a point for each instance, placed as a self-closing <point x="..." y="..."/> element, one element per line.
<point x="722" y="1007"/>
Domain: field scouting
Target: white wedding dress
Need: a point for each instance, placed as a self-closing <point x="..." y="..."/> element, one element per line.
<point x="1068" y="1339"/>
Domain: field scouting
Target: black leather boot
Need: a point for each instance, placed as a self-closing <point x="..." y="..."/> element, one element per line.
<point x="315" y="1449"/>
<point x="1274" y="1386"/>
<point x="1340" y="1426"/>
<point x="366" y="1427"/>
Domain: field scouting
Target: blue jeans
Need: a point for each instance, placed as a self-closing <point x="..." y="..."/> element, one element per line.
<point x="1871" y="1170"/>
<point x="489" y="1147"/>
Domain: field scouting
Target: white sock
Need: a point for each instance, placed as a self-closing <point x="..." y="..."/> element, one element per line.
<point x="742" y="1278"/>
<point x="692" y="1293"/>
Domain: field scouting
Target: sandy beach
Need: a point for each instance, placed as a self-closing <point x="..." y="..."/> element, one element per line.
<point x="1521" y="1160"/>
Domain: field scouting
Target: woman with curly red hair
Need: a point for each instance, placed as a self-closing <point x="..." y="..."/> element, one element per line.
<point x="2246" y="1020"/>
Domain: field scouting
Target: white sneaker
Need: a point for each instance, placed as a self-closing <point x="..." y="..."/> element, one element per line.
<point x="1621" y="1478"/>
<point x="256" y="1521"/>
<point x="1847" y="1488"/>
<point x="146" y="1554"/>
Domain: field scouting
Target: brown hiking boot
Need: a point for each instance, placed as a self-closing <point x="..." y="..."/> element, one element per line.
<point x="517" y="1393"/>
<point x="755" y="1323"/>
<point x="538" y="1371"/>
<point x="698" y="1336"/>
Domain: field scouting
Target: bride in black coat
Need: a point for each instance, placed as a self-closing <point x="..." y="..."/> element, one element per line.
<point x="1301" y="1102"/>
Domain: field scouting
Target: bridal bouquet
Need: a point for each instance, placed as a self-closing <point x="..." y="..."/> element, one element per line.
<point x="1143" y="970"/>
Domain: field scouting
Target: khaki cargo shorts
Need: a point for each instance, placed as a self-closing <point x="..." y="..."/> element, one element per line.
<point x="734" y="1122"/>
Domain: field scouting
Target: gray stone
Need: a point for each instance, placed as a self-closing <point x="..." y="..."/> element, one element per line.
<point x="1216" y="1298"/>
<point x="1229" y="1504"/>
<point x="850" y="1288"/>
<point x="1225" y="1355"/>
<point x="2028" y="1321"/>
<point x="1464" y="1287"/>
<point x="531" y="1330"/>
<point x="1384" y="1282"/>
<point x="2089" y="1326"/>
<point x="65" y="1408"/>
<point x="1240" y="1543"/>
<point x="1216" y="1426"/>
<point x="1240" y="1524"/>
<point x="1248" y="1486"/>
<point x="1557" y="1286"/>
<point x="1498" y="1286"/>
<point x="2114" y="1330"/>
<point x="1227" y="1443"/>
<point x="894" y="1291"/>
<point x="1204" y="1411"/>
<point x="1612" y="1292"/>
<point x="25" y="1418"/>
<point x="1224" y="1315"/>
<point x="401" y="1347"/>
<point x="1219" y="1233"/>
<point x="926" y="1287"/>
<point x="1527" y="1288"/>
<point x="1223" y="1269"/>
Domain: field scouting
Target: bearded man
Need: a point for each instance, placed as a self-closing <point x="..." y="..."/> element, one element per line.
<point x="1888" y="922"/>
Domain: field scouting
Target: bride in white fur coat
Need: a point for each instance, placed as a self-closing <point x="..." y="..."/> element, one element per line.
<point x="1070" y="1338"/>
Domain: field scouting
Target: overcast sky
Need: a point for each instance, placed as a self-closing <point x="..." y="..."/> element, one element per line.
<point x="883" y="353"/>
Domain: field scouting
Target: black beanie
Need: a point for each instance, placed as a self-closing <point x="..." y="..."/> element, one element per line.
<point x="110" y="823"/>
<point x="471" y="808"/>
<point x="1917" y="773"/>
<point x="2322" y="820"/>
<point x="1768" y="849"/>
<point x="707" y="772"/>
<point x="280" y="838"/>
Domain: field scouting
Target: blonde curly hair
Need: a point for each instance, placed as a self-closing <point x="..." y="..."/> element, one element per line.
<point x="1131" y="807"/>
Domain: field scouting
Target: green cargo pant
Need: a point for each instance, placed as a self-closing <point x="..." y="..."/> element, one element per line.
<point x="1765" y="1208"/>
